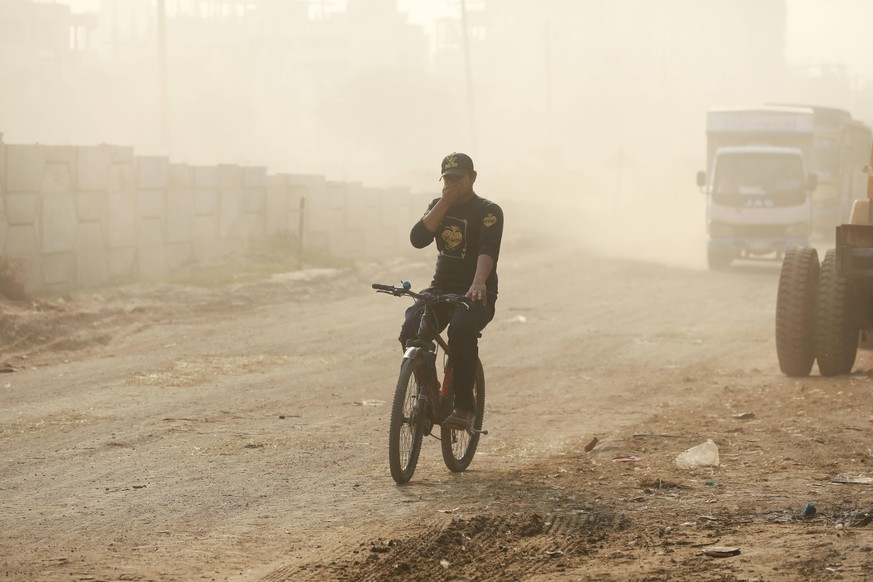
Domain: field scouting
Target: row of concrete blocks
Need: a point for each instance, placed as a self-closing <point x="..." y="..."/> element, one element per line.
<point x="74" y="217"/>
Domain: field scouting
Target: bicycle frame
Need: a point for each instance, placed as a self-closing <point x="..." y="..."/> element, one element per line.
<point x="422" y="401"/>
<point x="425" y="346"/>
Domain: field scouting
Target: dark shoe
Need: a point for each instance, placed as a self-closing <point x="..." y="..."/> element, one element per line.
<point x="461" y="418"/>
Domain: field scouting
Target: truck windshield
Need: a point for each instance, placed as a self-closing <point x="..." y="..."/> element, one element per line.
<point x="760" y="173"/>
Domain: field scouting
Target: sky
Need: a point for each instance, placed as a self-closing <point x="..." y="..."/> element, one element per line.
<point x="836" y="32"/>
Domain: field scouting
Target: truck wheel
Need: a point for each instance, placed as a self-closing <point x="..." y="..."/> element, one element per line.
<point x="795" y="311"/>
<point x="717" y="260"/>
<point x="836" y="333"/>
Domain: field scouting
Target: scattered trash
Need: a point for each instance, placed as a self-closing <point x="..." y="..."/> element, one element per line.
<point x="708" y="518"/>
<point x="712" y="484"/>
<point x="444" y="563"/>
<point x="858" y="479"/>
<point x="721" y="552"/>
<point x="590" y="446"/>
<point x="626" y="459"/>
<point x="703" y="455"/>
<point x="744" y="415"/>
<point x="660" y="484"/>
<point x="808" y="511"/>
<point x="370" y="402"/>
<point x="864" y="521"/>
<point x="449" y="510"/>
<point x="554" y="553"/>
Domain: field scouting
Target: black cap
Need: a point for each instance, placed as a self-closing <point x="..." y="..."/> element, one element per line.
<point x="456" y="164"/>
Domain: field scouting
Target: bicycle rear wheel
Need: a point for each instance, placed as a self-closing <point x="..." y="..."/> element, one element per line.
<point x="459" y="446"/>
<point x="404" y="435"/>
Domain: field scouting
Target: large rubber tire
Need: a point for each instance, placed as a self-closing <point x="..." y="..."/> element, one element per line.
<point x="836" y="340"/>
<point x="795" y="311"/>
<point x="459" y="446"/>
<point x="719" y="260"/>
<point x="405" y="432"/>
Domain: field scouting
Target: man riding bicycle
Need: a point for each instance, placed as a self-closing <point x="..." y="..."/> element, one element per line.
<point x="468" y="230"/>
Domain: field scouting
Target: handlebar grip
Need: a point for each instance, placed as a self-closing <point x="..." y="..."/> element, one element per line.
<point x="383" y="287"/>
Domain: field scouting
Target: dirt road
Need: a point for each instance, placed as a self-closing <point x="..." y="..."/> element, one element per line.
<point x="169" y="432"/>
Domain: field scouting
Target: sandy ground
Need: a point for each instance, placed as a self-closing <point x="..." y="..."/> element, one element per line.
<point x="239" y="432"/>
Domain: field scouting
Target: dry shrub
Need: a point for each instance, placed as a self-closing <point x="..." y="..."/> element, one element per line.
<point x="12" y="279"/>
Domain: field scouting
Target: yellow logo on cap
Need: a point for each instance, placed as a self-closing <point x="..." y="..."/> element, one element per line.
<point x="489" y="220"/>
<point x="451" y="162"/>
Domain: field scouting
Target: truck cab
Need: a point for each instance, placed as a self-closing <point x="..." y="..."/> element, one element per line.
<point x="758" y="202"/>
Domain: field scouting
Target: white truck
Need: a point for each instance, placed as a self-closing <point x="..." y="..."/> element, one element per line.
<point x="758" y="183"/>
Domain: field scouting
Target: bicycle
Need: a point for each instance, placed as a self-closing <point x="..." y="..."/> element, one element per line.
<point x="421" y="401"/>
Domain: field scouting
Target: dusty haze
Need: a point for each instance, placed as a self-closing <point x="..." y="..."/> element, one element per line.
<point x="582" y="116"/>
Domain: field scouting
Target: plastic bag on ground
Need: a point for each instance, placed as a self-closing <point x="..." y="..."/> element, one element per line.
<point x="703" y="455"/>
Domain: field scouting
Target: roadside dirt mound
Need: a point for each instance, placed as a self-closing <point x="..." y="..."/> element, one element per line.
<point x="485" y="547"/>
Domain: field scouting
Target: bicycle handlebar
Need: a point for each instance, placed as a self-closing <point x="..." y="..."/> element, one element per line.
<point x="423" y="296"/>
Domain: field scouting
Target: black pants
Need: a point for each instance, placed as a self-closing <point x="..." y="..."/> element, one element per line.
<point x="464" y="327"/>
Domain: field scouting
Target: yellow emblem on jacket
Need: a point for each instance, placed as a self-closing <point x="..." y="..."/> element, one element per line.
<point x="489" y="220"/>
<point x="452" y="236"/>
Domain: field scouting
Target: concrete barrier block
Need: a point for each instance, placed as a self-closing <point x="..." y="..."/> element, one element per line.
<point x="206" y="201"/>
<point x="254" y="200"/>
<point x="179" y="255"/>
<point x="150" y="232"/>
<point x="24" y="167"/>
<point x="92" y="268"/>
<point x="151" y="252"/>
<point x="230" y="176"/>
<point x="150" y="203"/>
<point x="122" y="177"/>
<point x="153" y="172"/>
<point x="181" y="177"/>
<point x="121" y="219"/>
<point x="59" y="223"/>
<point x="255" y="177"/>
<point x="257" y="227"/>
<point x="179" y="219"/>
<point x="60" y="154"/>
<point x="2" y="169"/>
<point x="93" y="167"/>
<point x="21" y="208"/>
<point x="58" y="268"/>
<point x="205" y="228"/>
<point x="4" y="228"/>
<point x="90" y="206"/>
<point x="276" y="201"/>
<point x="338" y="194"/>
<point x="21" y="241"/>
<point x="56" y="179"/>
<point x="122" y="262"/>
<point x="205" y="176"/>
<point x="31" y="271"/>
<point x="89" y="237"/>
<point x="231" y="211"/>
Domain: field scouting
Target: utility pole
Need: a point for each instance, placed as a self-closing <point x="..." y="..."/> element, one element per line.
<point x="162" y="63"/>
<point x="470" y="102"/>
<point x="548" y="68"/>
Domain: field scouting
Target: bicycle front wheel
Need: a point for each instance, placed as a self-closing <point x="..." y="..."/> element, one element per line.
<point x="458" y="445"/>
<point x="405" y="434"/>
